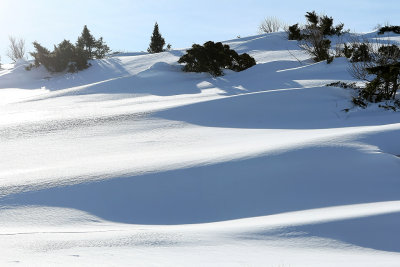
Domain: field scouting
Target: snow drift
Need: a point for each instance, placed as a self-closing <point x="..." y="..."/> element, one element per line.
<point x="133" y="161"/>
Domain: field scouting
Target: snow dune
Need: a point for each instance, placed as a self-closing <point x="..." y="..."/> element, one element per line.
<point x="134" y="162"/>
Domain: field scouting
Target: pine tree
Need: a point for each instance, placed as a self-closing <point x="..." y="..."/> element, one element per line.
<point x="102" y="48"/>
<point x="157" y="41"/>
<point x="94" y="48"/>
<point x="86" y="42"/>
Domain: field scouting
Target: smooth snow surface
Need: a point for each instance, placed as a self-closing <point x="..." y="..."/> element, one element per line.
<point x="133" y="162"/>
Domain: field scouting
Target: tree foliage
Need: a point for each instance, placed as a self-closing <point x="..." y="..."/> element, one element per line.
<point x="213" y="58"/>
<point x="92" y="47"/>
<point x="360" y="53"/>
<point x="65" y="56"/>
<point x="381" y="71"/>
<point x="313" y="35"/>
<point x="157" y="41"/>
<point x="394" y="29"/>
<point x="294" y="32"/>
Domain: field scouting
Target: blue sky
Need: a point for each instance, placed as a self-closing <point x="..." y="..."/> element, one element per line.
<point x="127" y="25"/>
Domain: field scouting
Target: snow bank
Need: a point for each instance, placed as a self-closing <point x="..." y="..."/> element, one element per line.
<point x="159" y="166"/>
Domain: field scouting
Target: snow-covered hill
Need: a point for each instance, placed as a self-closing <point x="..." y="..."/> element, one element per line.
<point x="134" y="162"/>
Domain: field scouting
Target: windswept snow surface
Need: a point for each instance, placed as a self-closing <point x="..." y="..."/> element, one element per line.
<point x="133" y="162"/>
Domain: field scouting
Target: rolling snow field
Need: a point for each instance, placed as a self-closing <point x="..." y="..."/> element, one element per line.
<point x="133" y="162"/>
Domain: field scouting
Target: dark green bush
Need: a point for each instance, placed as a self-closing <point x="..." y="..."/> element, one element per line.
<point x="213" y="58"/>
<point x="395" y="29"/>
<point x="322" y="24"/>
<point x="385" y="69"/>
<point x="294" y="32"/>
<point x="359" y="101"/>
<point x="360" y="53"/>
<point x="347" y="50"/>
<point x="344" y="85"/>
<point x="312" y="35"/>
<point x="65" y="56"/>
<point x="379" y="66"/>
<point x="92" y="47"/>
<point x="385" y="84"/>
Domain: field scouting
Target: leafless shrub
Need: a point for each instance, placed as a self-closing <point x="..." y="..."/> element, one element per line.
<point x="16" y="49"/>
<point x="271" y="24"/>
<point x="316" y="45"/>
<point x="339" y="47"/>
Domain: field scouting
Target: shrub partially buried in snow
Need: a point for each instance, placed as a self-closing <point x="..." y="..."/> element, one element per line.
<point x="65" y="56"/>
<point x="213" y="58"/>
<point x="394" y="29"/>
<point x="382" y="64"/>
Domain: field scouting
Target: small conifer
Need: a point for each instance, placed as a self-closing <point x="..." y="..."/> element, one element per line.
<point x="157" y="41"/>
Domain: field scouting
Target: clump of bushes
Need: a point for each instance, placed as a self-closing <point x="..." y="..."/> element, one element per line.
<point x="92" y="47"/>
<point x="379" y="66"/>
<point x="70" y="57"/>
<point x="320" y="23"/>
<point x="65" y="56"/>
<point x="313" y="35"/>
<point x="359" y="53"/>
<point x="394" y="29"/>
<point x="213" y="58"/>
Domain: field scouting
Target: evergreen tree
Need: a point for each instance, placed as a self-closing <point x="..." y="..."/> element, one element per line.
<point x="102" y="48"/>
<point x="157" y="41"/>
<point x="62" y="56"/>
<point x="41" y="55"/>
<point x="86" y="42"/>
<point x="92" y="47"/>
<point x="295" y="32"/>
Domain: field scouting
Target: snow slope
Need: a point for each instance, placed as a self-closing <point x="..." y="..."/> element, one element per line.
<point x="133" y="162"/>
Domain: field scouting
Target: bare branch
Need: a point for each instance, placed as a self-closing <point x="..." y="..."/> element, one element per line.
<point x="271" y="24"/>
<point x="16" y="49"/>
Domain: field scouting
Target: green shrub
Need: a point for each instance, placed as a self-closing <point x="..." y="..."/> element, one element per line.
<point x="347" y="50"/>
<point x="312" y="35"/>
<point x="65" y="56"/>
<point x="294" y="32"/>
<point x="383" y="66"/>
<point x="361" y="53"/>
<point x="394" y="29"/>
<point x="213" y="58"/>
<point x="92" y="47"/>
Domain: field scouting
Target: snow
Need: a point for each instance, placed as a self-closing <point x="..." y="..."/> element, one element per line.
<point x="134" y="162"/>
